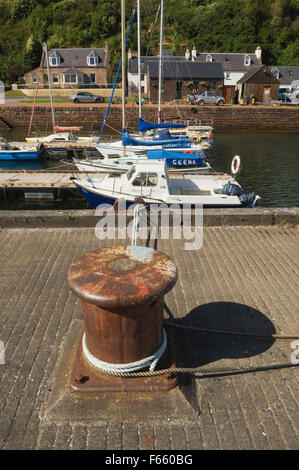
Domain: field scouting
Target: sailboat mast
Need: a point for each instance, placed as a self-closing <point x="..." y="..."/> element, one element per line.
<point x="139" y="61"/>
<point x="50" y="88"/>
<point x="123" y="65"/>
<point x="160" y="62"/>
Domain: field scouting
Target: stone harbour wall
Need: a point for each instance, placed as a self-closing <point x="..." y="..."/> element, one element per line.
<point x="228" y="117"/>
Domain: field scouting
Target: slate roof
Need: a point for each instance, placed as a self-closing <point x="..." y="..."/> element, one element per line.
<point x="287" y="74"/>
<point x="231" y="62"/>
<point x="145" y="60"/>
<point x="186" y="70"/>
<point x="77" y="57"/>
<point x="260" y="74"/>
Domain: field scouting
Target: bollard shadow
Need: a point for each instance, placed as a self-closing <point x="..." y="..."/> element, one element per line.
<point x="195" y="348"/>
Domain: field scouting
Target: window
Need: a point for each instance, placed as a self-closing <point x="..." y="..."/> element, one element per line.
<point x="247" y="60"/>
<point x="275" y="72"/>
<point x="92" y="59"/>
<point x="92" y="78"/>
<point x="55" y="78"/>
<point x="146" y="179"/>
<point x="53" y="61"/>
<point x="68" y="78"/>
<point x="34" y="78"/>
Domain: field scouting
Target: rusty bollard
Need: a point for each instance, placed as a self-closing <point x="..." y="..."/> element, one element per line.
<point x="122" y="289"/>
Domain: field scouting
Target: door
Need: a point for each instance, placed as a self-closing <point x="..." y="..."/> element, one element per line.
<point x="227" y="94"/>
<point x="267" y="95"/>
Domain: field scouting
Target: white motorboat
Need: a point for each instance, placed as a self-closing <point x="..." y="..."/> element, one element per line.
<point x="150" y="181"/>
<point x="177" y="162"/>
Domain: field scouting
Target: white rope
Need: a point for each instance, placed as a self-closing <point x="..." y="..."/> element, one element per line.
<point x="150" y="361"/>
<point x="135" y="225"/>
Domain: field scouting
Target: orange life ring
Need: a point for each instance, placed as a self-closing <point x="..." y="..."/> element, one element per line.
<point x="188" y="151"/>
<point x="236" y="165"/>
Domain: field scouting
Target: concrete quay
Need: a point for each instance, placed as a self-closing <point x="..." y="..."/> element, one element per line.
<point x="87" y="218"/>
<point x="243" y="279"/>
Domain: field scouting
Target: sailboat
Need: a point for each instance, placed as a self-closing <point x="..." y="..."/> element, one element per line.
<point x="61" y="133"/>
<point x="111" y="154"/>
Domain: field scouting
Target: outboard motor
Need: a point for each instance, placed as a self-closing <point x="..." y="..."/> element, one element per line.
<point x="247" y="200"/>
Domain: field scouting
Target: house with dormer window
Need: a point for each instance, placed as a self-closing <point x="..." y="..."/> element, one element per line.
<point x="71" y="68"/>
<point x="234" y="66"/>
<point x="286" y="74"/>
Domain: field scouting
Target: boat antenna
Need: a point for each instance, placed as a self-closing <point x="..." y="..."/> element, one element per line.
<point x="160" y="62"/>
<point x="50" y="88"/>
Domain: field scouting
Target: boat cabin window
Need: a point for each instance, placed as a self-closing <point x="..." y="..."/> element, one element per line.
<point x="146" y="179"/>
<point x="131" y="172"/>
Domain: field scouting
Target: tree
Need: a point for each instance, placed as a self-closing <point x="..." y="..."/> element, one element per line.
<point x="20" y="9"/>
<point x="31" y="54"/>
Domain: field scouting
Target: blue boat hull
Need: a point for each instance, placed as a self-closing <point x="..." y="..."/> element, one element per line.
<point x="7" y="155"/>
<point x="94" y="200"/>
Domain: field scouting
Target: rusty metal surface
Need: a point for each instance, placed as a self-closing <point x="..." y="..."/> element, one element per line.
<point x="85" y="378"/>
<point x="127" y="334"/>
<point x="122" y="276"/>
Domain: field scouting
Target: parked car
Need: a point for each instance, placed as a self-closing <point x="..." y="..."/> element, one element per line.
<point x="86" y="97"/>
<point x="206" y="97"/>
<point x="284" y="94"/>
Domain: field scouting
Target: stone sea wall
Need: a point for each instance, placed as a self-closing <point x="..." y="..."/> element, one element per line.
<point x="230" y="117"/>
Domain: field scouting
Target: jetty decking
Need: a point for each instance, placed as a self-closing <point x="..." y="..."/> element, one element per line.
<point x="37" y="179"/>
<point x="242" y="279"/>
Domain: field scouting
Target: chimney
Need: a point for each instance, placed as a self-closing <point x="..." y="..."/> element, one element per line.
<point x="187" y="54"/>
<point x="258" y="54"/>
<point x="193" y="53"/>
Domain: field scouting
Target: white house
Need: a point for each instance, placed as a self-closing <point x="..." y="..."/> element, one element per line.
<point x="234" y="65"/>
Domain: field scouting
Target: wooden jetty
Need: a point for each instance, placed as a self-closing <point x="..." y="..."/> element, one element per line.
<point x="39" y="179"/>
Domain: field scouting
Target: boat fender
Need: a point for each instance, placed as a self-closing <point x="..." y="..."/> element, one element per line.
<point x="188" y="151"/>
<point x="210" y="134"/>
<point x="236" y="165"/>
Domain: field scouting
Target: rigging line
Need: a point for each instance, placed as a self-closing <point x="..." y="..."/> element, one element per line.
<point x="36" y="91"/>
<point x="117" y="74"/>
<point x="152" y="29"/>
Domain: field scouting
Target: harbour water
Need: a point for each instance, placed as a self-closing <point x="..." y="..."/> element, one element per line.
<point x="270" y="166"/>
